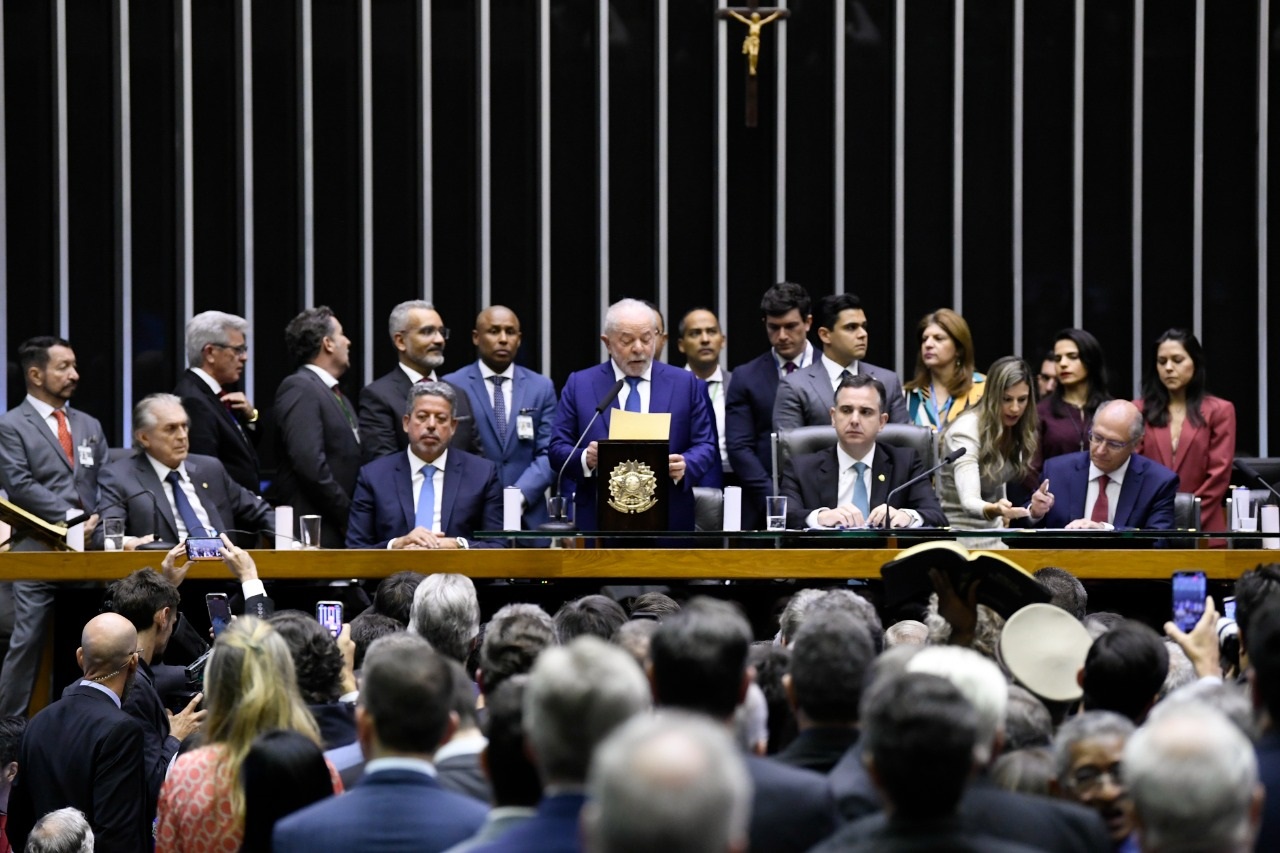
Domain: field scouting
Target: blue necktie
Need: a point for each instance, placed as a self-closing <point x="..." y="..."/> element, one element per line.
<point x="427" y="499"/>
<point x="499" y="409"/>
<point x="633" y="394"/>
<point x="185" y="510"/>
<point x="860" y="498"/>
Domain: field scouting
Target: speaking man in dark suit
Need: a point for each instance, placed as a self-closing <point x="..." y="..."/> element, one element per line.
<point x="514" y="409"/>
<point x="84" y="751"/>
<point x="175" y="494"/>
<point x="402" y="717"/>
<point x="432" y="495"/>
<point x="630" y="334"/>
<point x="419" y="335"/>
<point x="804" y="397"/>
<point x="50" y="456"/>
<point x="223" y="422"/>
<point x="847" y="485"/>
<point x="318" y="441"/>
<point x="1109" y="486"/>
<point x="748" y="409"/>
<point x="701" y="341"/>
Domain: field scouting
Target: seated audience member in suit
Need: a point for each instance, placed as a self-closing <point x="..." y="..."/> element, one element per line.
<point x="1109" y="486"/>
<point x="576" y="695"/>
<point x="224" y="423"/>
<point x="85" y="751"/>
<point x="432" y="495"/>
<point x="283" y="772"/>
<point x="164" y="483"/>
<point x="847" y="485"/>
<point x="514" y="409"/>
<point x="250" y="688"/>
<point x="1124" y="671"/>
<point x="945" y="383"/>
<point x="317" y="439"/>
<point x="699" y="663"/>
<point x="459" y="765"/>
<point x="630" y="334"/>
<point x="402" y="719"/>
<point x="804" y="397"/>
<point x="829" y="660"/>
<point x="324" y="679"/>
<point x="1087" y="754"/>
<point x="748" y="408"/>
<point x="912" y="722"/>
<point x="512" y="775"/>
<point x="513" y="639"/>
<point x="50" y="456"/>
<point x="419" y="336"/>
<point x="62" y="831"/>
<point x="1066" y="414"/>
<point x="701" y="341"/>
<point x="1188" y="430"/>
<point x="673" y="781"/>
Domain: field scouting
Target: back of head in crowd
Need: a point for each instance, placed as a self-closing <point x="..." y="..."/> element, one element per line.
<point x="1253" y="589"/>
<point x="513" y="639"/>
<point x="1124" y="670"/>
<point x="597" y="615"/>
<point x="916" y="721"/>
<point x="140" y="595"/>
<point x="700" y="658"/>
<point x="446" y="612"/>
<point x="316" y="657"/>
<point x="635" y="635"/>
<point x="980" y="682"/>
<point x="653" y="605"/>
<point x="672" y="782"/>
<point x="394" y="595"/>
<point x="1027" y="722"/>
<point x="405" y="698"/>
<point x="806" y="602"/>
<point x="368" y="627"/>
<point x="771" y="663"/>
<point x="1263" y="642"/>
<point x="1066" y="590"/>
<point x="11" y="729"/>
<point x="829" y="660"/>
<point x="61" y="831"/>
<point x="512" y="776"/>
<point x="283" y="772"/>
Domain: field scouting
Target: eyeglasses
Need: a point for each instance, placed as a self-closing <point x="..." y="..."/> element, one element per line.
<point x="242" y="349"/>
<point x="1090" y="779"/>
<point x="429" y="331"/>
<point x="1111" y="443"/>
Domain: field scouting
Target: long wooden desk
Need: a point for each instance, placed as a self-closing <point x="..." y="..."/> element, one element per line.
<point x="1219" y="564"/>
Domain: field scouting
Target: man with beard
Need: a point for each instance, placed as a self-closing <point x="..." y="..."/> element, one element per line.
<point x="85" y="751"/>
<point x="50" y="456"/>
<point x="419" y="335"/>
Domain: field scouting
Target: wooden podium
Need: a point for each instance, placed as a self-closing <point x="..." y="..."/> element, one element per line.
<point x="631" y="494"/>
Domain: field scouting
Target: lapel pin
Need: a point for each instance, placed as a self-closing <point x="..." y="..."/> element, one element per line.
<point x="206" y="485"/>
<point x="880" y="478"/>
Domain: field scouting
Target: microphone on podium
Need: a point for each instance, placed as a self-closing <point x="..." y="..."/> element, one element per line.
<point x="560" y="521"/>
<point x="946" y="460"/>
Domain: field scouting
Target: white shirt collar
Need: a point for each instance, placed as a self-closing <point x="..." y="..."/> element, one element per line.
<point x="486" y="371"/>
<point x="85" y="682"/>
<point x="162" y="471"/>
<point x="416" y="464"/>
<point x="414" y="376"/>
<point x="417" y="765"/>
<point x="846" y="460"/>
<point x="329" y="380"/>
<point x="213" y="384"/>
<point x="1116" y="476"/>
<point x="44" y="409"/>
<point x="834" y="370"/>
<point x="803" y="360"/>
<point x="717" y="376"/>
<point x="647" y="376"/>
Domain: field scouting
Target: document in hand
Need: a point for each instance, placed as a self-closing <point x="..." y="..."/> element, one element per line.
<point x="1005" y="586"/>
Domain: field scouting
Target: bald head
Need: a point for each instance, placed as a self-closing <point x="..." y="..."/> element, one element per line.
<point x="106" y="644"/>
<point x="1117" y="427"/>
<point x="497" y="337"/>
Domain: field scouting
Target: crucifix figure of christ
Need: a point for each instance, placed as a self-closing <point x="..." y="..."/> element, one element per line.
<point x="751" y="15"/>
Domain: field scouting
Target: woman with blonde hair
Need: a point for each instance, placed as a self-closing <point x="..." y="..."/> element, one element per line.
<point x="945" y="384"/>
<point x="999" y="436"/>
<point x="250" y="688"/>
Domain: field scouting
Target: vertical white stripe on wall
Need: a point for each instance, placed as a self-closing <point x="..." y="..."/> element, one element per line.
<point x="62" y="239"/>
<point x="1197" y="183"/>
<point x="544" y="182"/>
<point x="722" y="175"/>
<point x="1019" y="102"/>
<point x="1264" y="117"/>
<point x="366" y="185"/>
<point x="425" y="127"/>
<point x="1077" y="175"/>
<point x="1139" y="53"/>
<point x="124" y="213"/>
<point x="957" y="162"/>
<point x="186" y="180"/>
<point x="306" y="138"/>
<point x="484" y="204"/>
<point x="4" y="225"/>
<point x="602" y="101"/>
<point x="838" y="146"/>
<point x="245" y="96"/>
<point x="899" y="180"/>
<point x="780" y="176"/>
<point x="663" y="164"/>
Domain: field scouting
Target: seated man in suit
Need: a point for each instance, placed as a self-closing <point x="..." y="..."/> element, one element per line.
<point x="514" y="408"/>
<point x="1109" y="486"/>
<point x="431" y="495"/>
<point x="803" y="396"/>
<point x="847" y="485"/>
<point x="630" y="335"/>
<point x="167" y="493"/>
<point x="402" y="717"/>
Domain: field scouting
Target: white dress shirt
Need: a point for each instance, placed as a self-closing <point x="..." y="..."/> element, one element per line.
<point x="801" y="361"/>
<point x="510" y="374"/>
<point x="1114" y="484"/>
<point x="213" y="384"/>
<point x="642" y="388"/>
<point x="417" y="467"/>
<point x="189" y="490"/>
<point x="715" y="390"/>
<point x="834" y="370"/>
<point x="844" y="485"/>
<point x="46" y="414"/>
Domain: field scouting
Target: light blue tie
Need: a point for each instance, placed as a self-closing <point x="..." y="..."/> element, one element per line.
<point x="427" y="499"/>
<point x="860" y="499"/>
<point x="633" y="394"/>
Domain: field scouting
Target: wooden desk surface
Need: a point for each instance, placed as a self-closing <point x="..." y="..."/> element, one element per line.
<point x="1221" y="564"/>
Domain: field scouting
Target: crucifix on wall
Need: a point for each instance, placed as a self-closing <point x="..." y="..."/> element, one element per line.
<point x="756" y="19"/>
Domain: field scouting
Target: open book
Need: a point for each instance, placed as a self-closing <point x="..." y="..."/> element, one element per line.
<point x="1005" y="587"/>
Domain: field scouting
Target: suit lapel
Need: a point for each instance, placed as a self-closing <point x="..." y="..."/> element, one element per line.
<point x="659" y="389"/>
<point x="40" y="426"/>
<point x="1077" y="500"/>
<point x="600" y="385"/>
<point x="518" y="394"/>
<point x="1185" y="441"/>
<point x="200" y="480"/>
<point x="208" y="392"/>
<point x="147" y="476"/>
<point x="881" y="476"/>
<point x="452" y="477"/>
<point x="820" y="387"/>
<point x="480" y="393"/>
<point x="828" y="476"/>
<point x="1129" y="491"/>
<point x="404" y="492"/>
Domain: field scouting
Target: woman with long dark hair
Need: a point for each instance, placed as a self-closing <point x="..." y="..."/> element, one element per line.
<point x="1067" y="414"/>
<point x="1188" y="431"/>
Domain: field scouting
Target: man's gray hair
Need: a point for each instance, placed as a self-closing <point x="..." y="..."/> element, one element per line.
<point x="210" y="327"/>
<point x="432" y="388"/>
<point x="672" y="782"/>
<point x="577" y="695"/>
<point x="979" y="680"/>
<point x="626" y="306"/>
<point x="61" y="831"/>
<point x="513" y="639"/>
<point x="447" y="613"/>
<point x="1228" y="699"/>
<point x="1090" y="725"/>
<point x="144" y="414"/>
<point x="1193" y="777"/>
<point x="400" y="314"/>
<point x="908" y="632"/>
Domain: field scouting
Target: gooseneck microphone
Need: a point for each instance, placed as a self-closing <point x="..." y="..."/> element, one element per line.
<point x="946" y="460"/>
<point x="560" y="522"/>
<point x="1249" y="471"/>
<point x="155" y="519"/>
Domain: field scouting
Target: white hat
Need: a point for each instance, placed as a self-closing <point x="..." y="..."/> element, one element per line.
<point x="1044" y="648"/>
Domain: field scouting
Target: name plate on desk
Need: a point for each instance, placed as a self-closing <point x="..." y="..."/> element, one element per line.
<point x="632" y="493"/>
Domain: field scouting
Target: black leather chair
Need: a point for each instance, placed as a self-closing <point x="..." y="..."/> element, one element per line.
<point x="708" y="508"/>
<point x="1186" y="511"/>
<point x="809" y="439"/>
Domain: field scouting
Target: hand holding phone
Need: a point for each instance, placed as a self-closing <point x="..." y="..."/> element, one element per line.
<point x="1188" y="599"/>
<point x="204" y="548"/>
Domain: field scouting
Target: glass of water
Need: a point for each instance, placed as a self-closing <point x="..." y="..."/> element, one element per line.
<point x="775" y="510"/>
<point x="113" y="531"/>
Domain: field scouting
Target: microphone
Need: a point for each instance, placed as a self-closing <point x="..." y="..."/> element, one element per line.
<point x="155" y="519"/>
<point x="562" y="523"/>
<point x="946" y="460"/>
<point x="1251" y="472"/>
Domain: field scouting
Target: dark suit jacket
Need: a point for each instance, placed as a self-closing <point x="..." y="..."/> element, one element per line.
<point x="1146" y="497"/>
<point x="85" y="752"/>
<point x="554" y="829"/>
<point x="382" y="417"/>
<point x="805" y="397"/>
<point x="228" y="504"/>
<point x="791" y="809"/>
<point x="391" y="810"/>
<point x="383" y="505"/>
<point x="812" y="480"/>
<point x="748" y="421"/>
<point x="159" y="747"/>
<point x="318" y="455"/>
<point x="918" y="836"/>
<point x="693" y="433"/>
<point x="818" y="748"/>
<point x="217" y="431"/>
<point x="1268" y="751"/>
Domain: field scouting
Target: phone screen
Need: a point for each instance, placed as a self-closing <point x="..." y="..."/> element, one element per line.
<point x="203" y="548"/>
<point x="1229" y="607"/>
<point x="219" y="611"/>
<point x="329" y="614"/>
<point x="1188" y="599"/>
